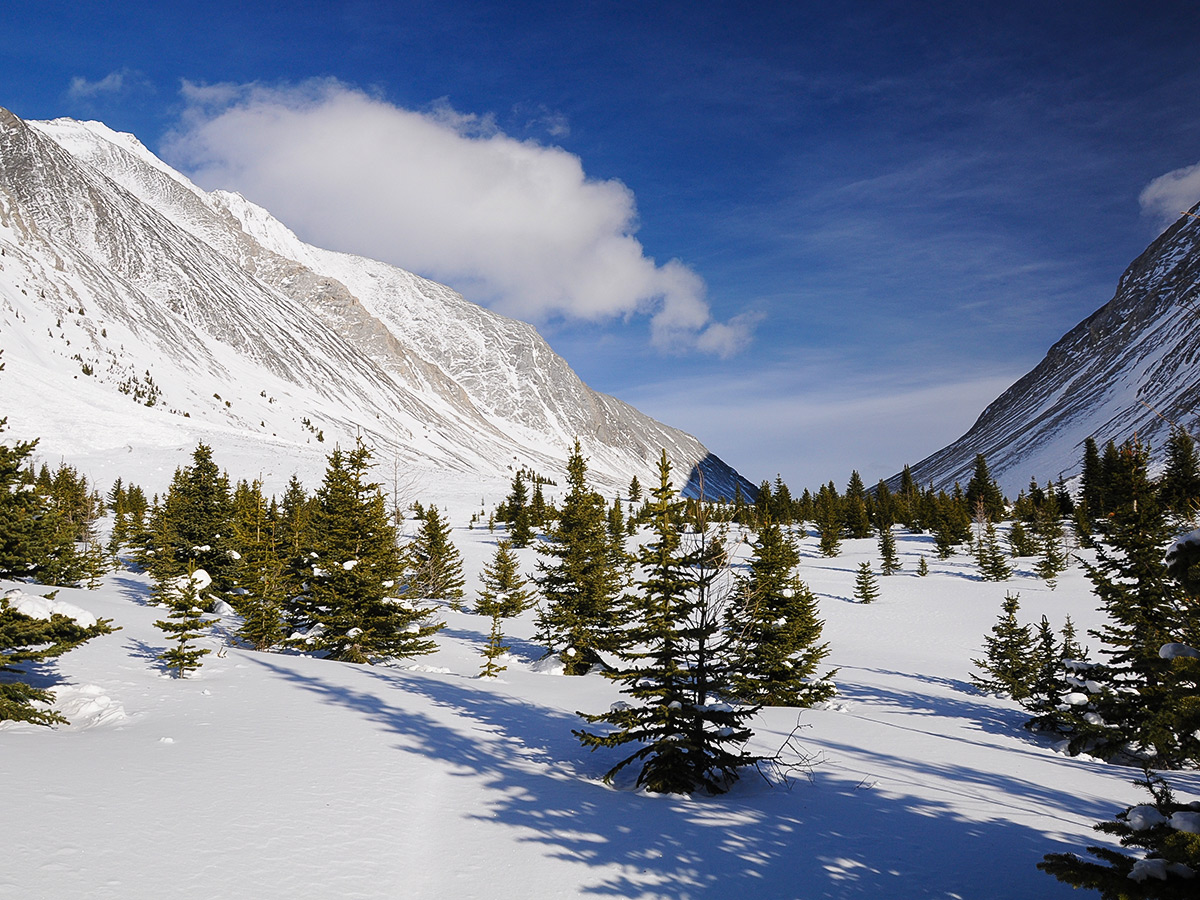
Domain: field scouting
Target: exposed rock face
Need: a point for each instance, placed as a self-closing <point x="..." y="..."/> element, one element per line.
<point x="1132" y="367"/>
<point x="204" y="306"/>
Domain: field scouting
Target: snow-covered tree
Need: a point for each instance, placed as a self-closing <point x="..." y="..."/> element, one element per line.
<point x="1165" y="837"/>
<point x="353" y="608"/>
<point x="34" y="629"/>
<point x="185" y="623"/>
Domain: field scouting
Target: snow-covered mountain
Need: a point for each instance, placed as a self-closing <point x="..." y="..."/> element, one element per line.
<point x="137" y="310"/>
<point x="1132" y="367"/>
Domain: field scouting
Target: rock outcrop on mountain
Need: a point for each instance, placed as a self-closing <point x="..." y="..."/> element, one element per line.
<point x="132" y="298"/>
<point x="1130" y="368"/>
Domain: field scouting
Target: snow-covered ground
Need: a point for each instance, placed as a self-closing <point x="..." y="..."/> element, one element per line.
<point x="269" y="775"/>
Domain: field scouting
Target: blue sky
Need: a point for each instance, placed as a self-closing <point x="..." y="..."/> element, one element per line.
<point x="819" y="236"/>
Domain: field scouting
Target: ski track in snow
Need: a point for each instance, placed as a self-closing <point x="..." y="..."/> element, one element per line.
<point x="272" y="775"/>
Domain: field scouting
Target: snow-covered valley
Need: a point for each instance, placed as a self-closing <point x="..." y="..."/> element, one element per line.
<point x="270" y="775"/>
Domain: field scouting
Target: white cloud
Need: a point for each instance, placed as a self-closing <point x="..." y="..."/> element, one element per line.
<point x="515" y="224"/>
<point x="1168" y="195"/>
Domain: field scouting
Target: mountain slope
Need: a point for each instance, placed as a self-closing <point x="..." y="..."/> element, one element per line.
<point x="1132" y="367"/>
<point x="122" y="280"/>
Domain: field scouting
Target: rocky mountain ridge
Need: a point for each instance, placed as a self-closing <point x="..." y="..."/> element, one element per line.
<point x="164" y="313"/>
<point x="1130" y="368"/>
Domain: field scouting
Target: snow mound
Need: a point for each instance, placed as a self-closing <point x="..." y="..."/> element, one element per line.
<point x="548" y="665"/>
<point x="38" y="607"/>
<point x="88" y="706"/>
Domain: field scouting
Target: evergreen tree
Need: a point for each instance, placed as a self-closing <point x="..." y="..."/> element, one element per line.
<point x="579" y="576"/>
<point x="539" y="512"/>
<point x="885" y="506"/>
<point x="503" y="595"/>
<point x="777" y="632"/>
<point x="635" y="490"/>
<point x="1049" y="538"/>
<point x="866" y="587"/>
<point x="949" y="522"/>
<point x="983" y="490"/>
<point x="993" y="562"/>
<point x="295" y="539"/>
<point x="185" y="623"/>
<point x="889" y="562"/>
<point x="434" y="565"/>
<point x="829" y="520"/>
<point x="781" y="503"/>
<point x="922" y="567"/>
<point x="1167" y="860"/>
<point x="28" y="639"/>
<point x="1179" y="488"/>
<point x="675" y="668"/>
<point x="857" y="520"/>
<point x="352" y="609"/>
<point x="520" y="529"/>
<point x="1093" y="490"/>
<point x="908" y="500"/>
<point x="193" y="526"/>
<point x="1009" y="665"/>
<point x="261" y="598"/>
<point x="1138" y="705"/>
<point x="1020" y="543"/>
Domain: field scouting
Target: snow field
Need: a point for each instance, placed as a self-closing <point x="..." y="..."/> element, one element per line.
<point x="272" y="775"/>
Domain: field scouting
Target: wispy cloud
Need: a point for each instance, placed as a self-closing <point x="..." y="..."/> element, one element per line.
<point x="514" y="223"/>
<point x="1168" y="195"/>
<point x="114" y="83"/>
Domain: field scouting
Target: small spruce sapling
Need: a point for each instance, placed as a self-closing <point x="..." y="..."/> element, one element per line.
<point x="185" y="623"/>
<point x="503" y="595"/>
<point x="866" y="587"/>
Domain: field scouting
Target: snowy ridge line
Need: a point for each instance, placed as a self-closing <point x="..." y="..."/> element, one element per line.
<point x="187" y="316"/>
<point x="1129" y="368"/>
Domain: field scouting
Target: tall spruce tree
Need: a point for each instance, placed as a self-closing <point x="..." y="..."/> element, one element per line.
<point x="983" y="490"/>
<point x="889" y="561"/>
<point x="828" y="511"/>
<point x="1138" y="704"/>
<point x="516" y="513"/>
<point x="579" y="577"/>
<point x="675" y="669"/>
<point x="856" y="518"/>
<point x="1093" y="489"/>
<point x="1048" y="535"/>
<point x="192" y="528"/>
<point x="262" y="572"/>
<point x="353" y="609"/>
<point x="434" y="564"/>
<point x="773" y="619"/>
<point x="1009" y="665"/>
<point x="1179" y="487"/>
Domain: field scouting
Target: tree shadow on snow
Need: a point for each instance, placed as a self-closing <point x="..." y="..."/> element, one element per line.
<point x="828" y="838"/>
<point x="132" y="589"/>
